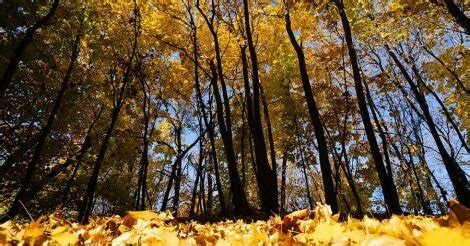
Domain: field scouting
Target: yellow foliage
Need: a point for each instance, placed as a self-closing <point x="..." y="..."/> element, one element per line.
<point x="318" y="227"/>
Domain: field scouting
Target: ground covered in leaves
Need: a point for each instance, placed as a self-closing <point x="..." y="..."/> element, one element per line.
<point x="301" y="227"/>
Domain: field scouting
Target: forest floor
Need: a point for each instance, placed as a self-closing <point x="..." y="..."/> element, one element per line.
<point x="301" y="227"/>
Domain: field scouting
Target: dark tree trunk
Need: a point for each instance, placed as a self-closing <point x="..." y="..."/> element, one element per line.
<point x="225" y="123"/>
<point x="32" y="165"/>
<point x="270" y="131"/>
<point x="267" y="181"/>
<point x="240" y="203"/>
<point x="24" y="43"/>
<point x="382" y="134"/>
<point x="454" y="74"/>
<point x="208" y="124"/>
<point x="139" y="197"/>
<point x="209" y="194"/>
<point x="303" y="162"/>
<point x="179" y="167"/>
<point x="330" y="192"/>
<point x="86" y="205"/>
<point x="456" y="174"/>
<point x="283" y="183"/>
<point x="443" y="107"/>
<point x="458" y="15"/>
<point x="242" y="144"/>
<point x="174" y="170"/>
<point x="86" y="145"/>
<point x="390" y="194"/>
<point x="87" y="201"/>
<point x="198" y="172"/>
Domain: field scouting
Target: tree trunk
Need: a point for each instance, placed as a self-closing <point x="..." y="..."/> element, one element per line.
<point x="283" y="183"/>
<point x="390" y="194"/>
<point x="179" y="167"/>
<point x="86" y="206"/>
<point x="32" y="165"/>
<point x="267" y="182"/>
<point x="87" y="144"/>
<point x="24" y="43"/>
<point x="456" y="174"/>
<point x="198" y="172"/>
<point x="453" y="73"/>
<point x="458" y="15"/>
<point x="240" y="203"/>
<point x="270" y="131"/>
<point x="174" y="170"/>
<point x="139" y="197"/>
<point x="330" y="192"/>
<point x="443" y="107"/>
<point x="303" y="162"/>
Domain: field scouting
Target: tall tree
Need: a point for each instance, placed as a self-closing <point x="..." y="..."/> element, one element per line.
<point x="24" y="43"/>
<point x="266" y="176"/>
<point x="455" y="172"/>
<point x="388" y="187"/>
<point x="86" y="206"/>
<point x="330" y="192"/>
<point x="41" y="141"/>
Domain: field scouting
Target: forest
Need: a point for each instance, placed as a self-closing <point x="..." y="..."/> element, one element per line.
<point x="213" y="109"/>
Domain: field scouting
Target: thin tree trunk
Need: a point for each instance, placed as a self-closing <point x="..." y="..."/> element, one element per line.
<point x="139" y="199"/>
<point x="303" y="162"/>
<point x="87" y="144"/>
<point x="178" y="176"/>
<point x="24" y="43"/>
<point x="330" y="192"/>
<point x="443" y="107"/>
<point x="270" y="131"/>
<point x="209" y="194"/>
<point x="242" y="145"/>
<point x="390" y="194"/>
<point x="454" y="74"/>
<point x="283" y="183"/>
<point x="240" y="203"/>
<point x="267" y="182"/>
<point x="382" y="134"/>
<point x="173" y="174"/>
<point x="86" y="206"/>
<point x="455" y="172"/>
<point x="32" y="165"/>
<point x="459" y="16"/>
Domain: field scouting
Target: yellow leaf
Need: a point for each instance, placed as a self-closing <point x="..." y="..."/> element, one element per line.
<point x="444" y="236"/>
<point x="62" y="236"/>
<point x="383" y="240"/>
<point x="131" y="218"/>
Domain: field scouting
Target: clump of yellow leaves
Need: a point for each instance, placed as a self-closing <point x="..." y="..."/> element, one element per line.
<point x="318" y="227"/>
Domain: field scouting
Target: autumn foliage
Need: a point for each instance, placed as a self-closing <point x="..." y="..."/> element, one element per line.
<point x="242" y="109"/>
<point x="302" y="227"/>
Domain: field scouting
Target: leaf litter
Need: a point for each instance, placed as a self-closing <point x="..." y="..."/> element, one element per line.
<point x="317" y="227"/>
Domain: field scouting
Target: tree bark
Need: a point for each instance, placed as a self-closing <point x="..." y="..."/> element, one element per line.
<point x="443" y="107"/>
<point x="86" y="206"/>
<point x="139" y="197"/>
<point x="329" y="189"/>
<point x="390" y="194"/>
<point x="272" y="150"/>
<point x="173" y="174"/>
<point x="32" y="165"/>
<point x="240" y="203"/>
<point x="24" y="43"/>
<point x="267" y="181"/>
<point x="86" y="145"/>
<point x="455" y="172"/>
<point x="459" y="16"/>
<point x="283" y="183"/>
<point x="208" y="125"/>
